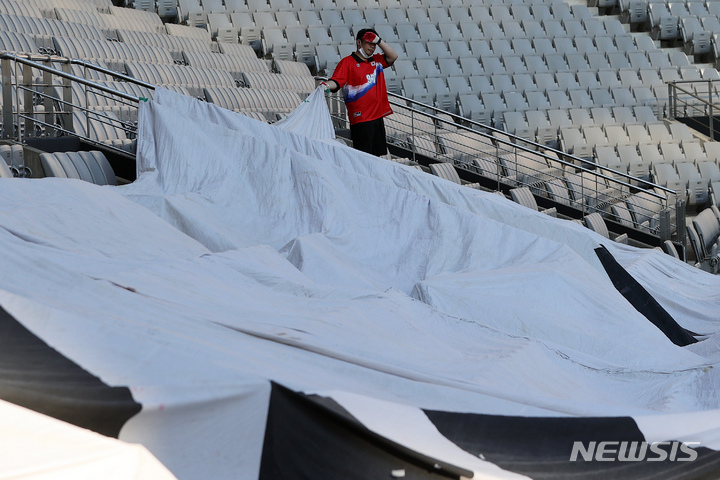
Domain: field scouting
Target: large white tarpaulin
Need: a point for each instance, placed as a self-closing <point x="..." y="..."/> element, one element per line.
<point x="246" y="253"/>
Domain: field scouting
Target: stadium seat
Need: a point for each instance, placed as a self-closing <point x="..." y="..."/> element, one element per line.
<point x="448" y="172"/>
<point x="637" y="133"/>
<point x="623" y="115"/>
<point x="696" y="186"/>
<point x="709" y="171"/>
<point x="595" y="222"/>
<point x="707" y="227"/>
<point x="525" y="197"/>
<point x="557" y="190"/>
<point x="615" y="134"/>
<point x="89" y="166"/>
<point x="607" y="157"/>
<point x="424" y="145"/>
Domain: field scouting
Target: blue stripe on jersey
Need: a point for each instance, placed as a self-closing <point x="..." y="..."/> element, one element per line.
<point x="353" y="93"/>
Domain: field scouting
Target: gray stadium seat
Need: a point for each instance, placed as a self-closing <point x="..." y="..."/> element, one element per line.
<point x="525" y="197"/>
<point x="448" y="172"/>
<point x="90" y="166"/>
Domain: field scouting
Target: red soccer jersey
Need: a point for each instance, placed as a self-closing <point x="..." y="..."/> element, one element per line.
<point x="363" y="85"/>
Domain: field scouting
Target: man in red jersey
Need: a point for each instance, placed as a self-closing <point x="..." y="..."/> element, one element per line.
<point x="361" y="77"/>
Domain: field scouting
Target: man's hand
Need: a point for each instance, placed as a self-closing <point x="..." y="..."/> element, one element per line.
<point x="326" y="87"/>
<point x="371" y="37"/>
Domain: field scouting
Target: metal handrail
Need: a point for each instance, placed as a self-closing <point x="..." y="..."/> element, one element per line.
<point x="576" y="163"/>
<point x="25" y="85"/>
<point x="28" y="60"/>
<point x="619" y="183"/>
<point x="707" y="105"/>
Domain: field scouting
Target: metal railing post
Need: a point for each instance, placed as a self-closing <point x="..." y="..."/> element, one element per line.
<point x="7" y="109"/>
<point x="664" y="227"/>
<point x="680" y="221"/>
<point x="711" y="127"/>
<point x="67" y="107"/>
<point x="48" y="103"/>
<point x="28" y="112"/>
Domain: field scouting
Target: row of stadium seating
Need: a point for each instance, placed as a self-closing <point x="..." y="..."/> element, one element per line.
<point x="187" y="7"/>
<point x="524" y="196"/>
<point x="637" y="211"/>
<point x="548" y="178"/>
<point x="340" y="25"/>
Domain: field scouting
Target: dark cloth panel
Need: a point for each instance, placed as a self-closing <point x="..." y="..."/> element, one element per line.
<point x="310" y="437"/>
<point x="541" y="447"/>
<point x="642" y="300"/>
<point x="36" y="376"/>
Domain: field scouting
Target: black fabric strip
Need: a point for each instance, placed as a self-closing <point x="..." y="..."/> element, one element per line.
<point x="541" y="448"/>
<point x="311" y="437"/>
<point x="642" y="300"/>
<point x="36" y="376"/>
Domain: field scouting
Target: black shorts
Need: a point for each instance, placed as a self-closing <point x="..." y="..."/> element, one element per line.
<point x="369" y="137"/>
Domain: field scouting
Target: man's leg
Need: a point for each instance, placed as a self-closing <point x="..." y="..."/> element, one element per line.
<point x="362" y="136"/>
<point x="369" y="137"/>
<point x="379" y="146"/>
